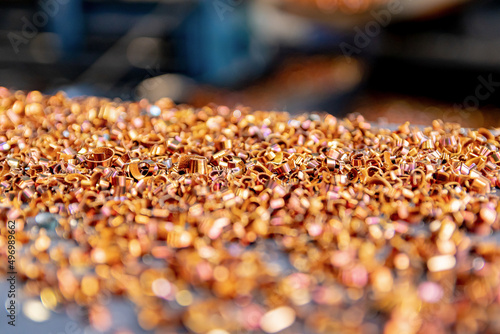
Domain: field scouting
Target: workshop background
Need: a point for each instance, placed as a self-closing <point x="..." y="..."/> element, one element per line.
<point x="428" y="56"/>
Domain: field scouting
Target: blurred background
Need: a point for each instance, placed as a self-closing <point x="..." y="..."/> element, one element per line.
<point x="392" y="60"/>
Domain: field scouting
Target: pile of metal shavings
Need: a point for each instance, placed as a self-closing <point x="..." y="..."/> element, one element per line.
<point x="219" y="220"/>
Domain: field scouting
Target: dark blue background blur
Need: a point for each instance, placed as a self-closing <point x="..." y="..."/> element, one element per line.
<point x="107" y="48"/>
